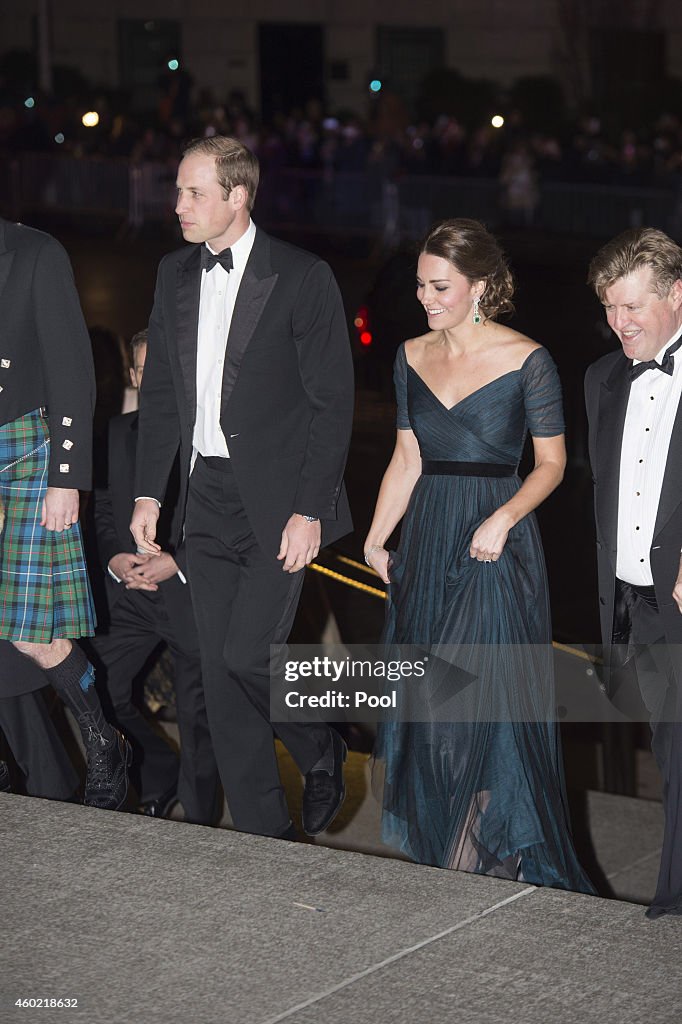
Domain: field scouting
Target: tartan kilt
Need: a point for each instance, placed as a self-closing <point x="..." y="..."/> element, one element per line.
<point x="44" y="586"/>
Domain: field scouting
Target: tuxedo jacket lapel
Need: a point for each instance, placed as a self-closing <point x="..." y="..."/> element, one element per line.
<point x="255" y="288"/>
<point x="613" y="402"/>
<point x="6" y="258"/>
<point x="671" y="491"/>
<point x="187" y="324"/>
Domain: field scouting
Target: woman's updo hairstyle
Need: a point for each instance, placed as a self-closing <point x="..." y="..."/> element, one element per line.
<point x="477" y="255"/>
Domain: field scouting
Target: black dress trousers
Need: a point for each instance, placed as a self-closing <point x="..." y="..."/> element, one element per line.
<point x="244" y="602"/>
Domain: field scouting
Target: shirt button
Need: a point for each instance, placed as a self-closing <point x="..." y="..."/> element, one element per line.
<point x="638" y="493"/>
<point x="647" y="429"/>
<point x="637" y="527"/>
<point x="641" y="461"/>
<point x="641" y="559"/>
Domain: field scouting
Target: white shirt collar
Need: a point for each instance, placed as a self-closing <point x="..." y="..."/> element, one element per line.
<point x="659" y="355"/>
<point x="241" y="249"/>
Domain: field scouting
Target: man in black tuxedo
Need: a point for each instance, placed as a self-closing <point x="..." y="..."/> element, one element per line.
<point x="249" y="372"/>
<point x="635" y="441"/>
<point x="47" y="392"/>
<point x="149" y="603"/>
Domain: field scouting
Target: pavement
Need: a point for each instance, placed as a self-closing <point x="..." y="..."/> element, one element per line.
<point x="157" y="921"/>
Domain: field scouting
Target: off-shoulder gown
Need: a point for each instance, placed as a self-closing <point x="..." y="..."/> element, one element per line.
<point x="484" y="792"/>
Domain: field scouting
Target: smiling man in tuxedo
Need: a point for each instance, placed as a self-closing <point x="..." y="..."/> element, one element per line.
<point x="249" y="372"/>
<point x="635" y="440"/>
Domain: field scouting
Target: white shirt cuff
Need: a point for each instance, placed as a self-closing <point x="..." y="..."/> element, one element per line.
<point x="113" y="575"/>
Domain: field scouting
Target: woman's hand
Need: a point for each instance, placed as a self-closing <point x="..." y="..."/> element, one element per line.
<point x="377" y="559"/>
<point x="487" y="543"/>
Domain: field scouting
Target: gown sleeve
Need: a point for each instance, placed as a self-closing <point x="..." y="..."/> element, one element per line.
<point x="400" y="383"/>
<point x="542" y="395"/>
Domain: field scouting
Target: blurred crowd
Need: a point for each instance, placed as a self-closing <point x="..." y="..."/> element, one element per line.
<point x="388" y="143"/>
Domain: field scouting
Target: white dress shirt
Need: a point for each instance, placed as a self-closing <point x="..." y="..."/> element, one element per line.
<point x="216" y="306"/>
<point x="652" y="408"/>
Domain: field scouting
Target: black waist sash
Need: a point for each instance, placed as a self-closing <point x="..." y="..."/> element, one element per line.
<point x="445" y="467"/>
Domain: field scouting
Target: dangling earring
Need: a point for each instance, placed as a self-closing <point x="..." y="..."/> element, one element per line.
<point x="476" y="318"/>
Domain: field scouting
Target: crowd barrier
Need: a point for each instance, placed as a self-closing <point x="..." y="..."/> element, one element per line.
<point x="360" y="203"/>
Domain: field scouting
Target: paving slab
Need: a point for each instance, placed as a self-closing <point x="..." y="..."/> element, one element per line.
<point x="543" y="957"/>
<point x="154" y="921"/>
<point x="159" y="921"/>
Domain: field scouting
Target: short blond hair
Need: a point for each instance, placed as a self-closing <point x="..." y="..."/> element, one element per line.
<point x="632" y="250"/>
<point x="235" y="164"/>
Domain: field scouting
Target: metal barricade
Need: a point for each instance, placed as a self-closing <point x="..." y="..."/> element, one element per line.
<point x="338" y="202"/>
<point x="424" y="200"/>
<point x="603" y="211"/>
<point x="80" y="185"/>
<point x="152" y="192"/>
<point x="357" y="203"/>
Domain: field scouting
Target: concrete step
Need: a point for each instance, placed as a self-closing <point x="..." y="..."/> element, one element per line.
<point x="155" y="921"/>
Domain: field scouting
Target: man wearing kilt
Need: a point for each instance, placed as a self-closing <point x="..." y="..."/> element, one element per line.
<point x="47" y="395"/>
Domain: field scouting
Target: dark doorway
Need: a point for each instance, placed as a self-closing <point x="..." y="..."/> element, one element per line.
<point x="145" y="47"/>
<point x="406" y="55"/>
<point x="291" y="67"/>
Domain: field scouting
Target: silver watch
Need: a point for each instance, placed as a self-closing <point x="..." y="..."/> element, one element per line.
<point x="309" y="519"/>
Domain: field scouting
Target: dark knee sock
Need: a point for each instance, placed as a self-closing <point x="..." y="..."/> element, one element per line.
<point x="74" y="680"/>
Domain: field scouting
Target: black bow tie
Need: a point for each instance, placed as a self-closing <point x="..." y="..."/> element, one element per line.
<point x="667" y="364"/>
<point x="209" y="259"/>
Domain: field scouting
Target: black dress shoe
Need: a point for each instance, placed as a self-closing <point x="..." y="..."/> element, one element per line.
<point x="160" y="806"/>
<point x="325" y="789"/>
<point x="5" y="784"/>
<point x="106" y="781"/>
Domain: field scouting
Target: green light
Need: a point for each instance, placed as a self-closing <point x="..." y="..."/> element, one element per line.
<point x="375" y="85"/>
<point x="173" y="65"/>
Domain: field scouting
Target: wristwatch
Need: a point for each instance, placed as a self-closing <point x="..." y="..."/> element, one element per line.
<point x="309" y="519"/>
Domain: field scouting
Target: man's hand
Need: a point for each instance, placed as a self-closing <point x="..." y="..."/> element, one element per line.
<point x="124" y="565"/>
<point x="143" y="572"/>
<point x="60" y="508"/>
<point x="143" y="526"/>
<point x="154" y="570"/>
<point x="300" y="543"/>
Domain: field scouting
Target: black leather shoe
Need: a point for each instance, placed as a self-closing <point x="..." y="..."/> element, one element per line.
<point x="5" y="784"/>
<point x="106" y="781"/>
<point x="324" y="793"/>
<point x="160" y="806"/>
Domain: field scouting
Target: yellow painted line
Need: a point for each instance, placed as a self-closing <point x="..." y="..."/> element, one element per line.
<point x="593" y="658"/>
<point x="347" y="580"/>
<point x="355" y="565"/>
<point x="340" y="578"/>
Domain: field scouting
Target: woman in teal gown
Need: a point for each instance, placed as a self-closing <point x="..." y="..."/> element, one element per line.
<point x="473" y="775"/>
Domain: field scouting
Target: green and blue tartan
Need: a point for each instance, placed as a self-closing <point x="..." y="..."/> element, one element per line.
<point x="44" y="586"/>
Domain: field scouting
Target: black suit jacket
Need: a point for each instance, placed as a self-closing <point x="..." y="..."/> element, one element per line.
<point x="287" y="388"/>
<point x="45" y="352"/>
<point x="113" y="503"/>
<point x="607" y="388"/>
